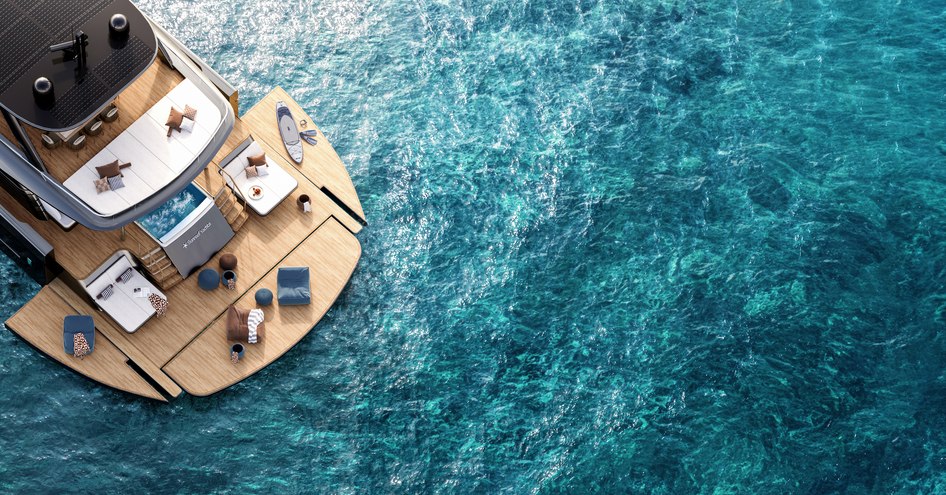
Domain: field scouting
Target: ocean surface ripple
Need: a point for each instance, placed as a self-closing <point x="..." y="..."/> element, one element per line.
<point x="643" y="246"/>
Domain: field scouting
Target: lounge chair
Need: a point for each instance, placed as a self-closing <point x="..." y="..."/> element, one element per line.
<point x="74" y="324"/>
<point x="276" y="185"/>
<point x="112" y="287"/>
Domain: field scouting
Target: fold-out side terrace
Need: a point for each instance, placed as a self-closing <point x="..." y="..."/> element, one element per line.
<point x="181" y="246"/>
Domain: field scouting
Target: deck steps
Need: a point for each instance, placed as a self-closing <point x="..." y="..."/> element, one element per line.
<point x="161" y="269"/>
<point x="234" y="211"/>
<point x="143" y="246"/>
<point x="172" y="280"/>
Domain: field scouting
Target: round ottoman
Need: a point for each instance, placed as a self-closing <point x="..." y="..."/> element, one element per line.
<point x="228" y="261"/>
<point x="208" y="279"/>
<point x="264" y="297"/>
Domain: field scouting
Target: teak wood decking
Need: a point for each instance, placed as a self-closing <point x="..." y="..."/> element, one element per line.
<point x="187" y="349"/>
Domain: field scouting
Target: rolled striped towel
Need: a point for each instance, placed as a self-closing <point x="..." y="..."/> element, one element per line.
<point x="252" y="321"/>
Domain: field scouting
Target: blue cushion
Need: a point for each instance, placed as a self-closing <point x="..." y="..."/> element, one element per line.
<point x="293" y="285"/>
<point x="208" y="279"/>
<point x="74" y="324"/>
<point x="264" y="297"/>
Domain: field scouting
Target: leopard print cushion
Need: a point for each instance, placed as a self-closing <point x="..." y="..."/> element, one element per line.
<point x="80" y="346"/>
<point x="159" y="304"/>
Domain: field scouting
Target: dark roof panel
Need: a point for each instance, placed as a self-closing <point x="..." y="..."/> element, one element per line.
<point x="29" y="27"/>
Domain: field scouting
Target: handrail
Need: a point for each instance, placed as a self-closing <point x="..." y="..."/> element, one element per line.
<point x="15" y="165"/>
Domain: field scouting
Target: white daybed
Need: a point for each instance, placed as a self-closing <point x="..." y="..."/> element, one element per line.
<point x="123" y="306"/>
<point x="277" y="185"/>
<point x="155" y="158"/>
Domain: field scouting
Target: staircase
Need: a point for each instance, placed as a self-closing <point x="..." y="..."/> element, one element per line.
<point x="232" y="208"/>
<point x="162" y="271"/>
<point x="152" y="256"/>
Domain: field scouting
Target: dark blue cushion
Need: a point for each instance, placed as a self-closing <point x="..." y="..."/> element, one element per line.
<point x="293" y="285"/>
<point x="264" y="297"/>
<point x="208" y="279"/>
<point x="74" y="324"/>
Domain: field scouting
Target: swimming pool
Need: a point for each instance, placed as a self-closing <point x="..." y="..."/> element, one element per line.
<point x="174" y="216"/>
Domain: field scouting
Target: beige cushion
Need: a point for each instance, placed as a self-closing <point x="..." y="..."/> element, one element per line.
<point x="251" y="171"/>
<point x="101" y="185"/>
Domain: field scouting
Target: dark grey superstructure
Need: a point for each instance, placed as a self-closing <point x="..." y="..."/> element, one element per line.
<point x="91" y="65"/>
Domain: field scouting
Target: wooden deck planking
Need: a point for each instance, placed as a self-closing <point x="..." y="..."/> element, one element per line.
<point x="204" y="367"/>
<point x="260" y="246"/>
<point x="320" y="163"/>
<point x="39" y="322"/>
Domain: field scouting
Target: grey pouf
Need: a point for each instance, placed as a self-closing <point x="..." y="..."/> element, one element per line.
<point x="264" y="297"/>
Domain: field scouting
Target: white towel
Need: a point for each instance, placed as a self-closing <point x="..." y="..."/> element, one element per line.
<point x="252" y="321"/>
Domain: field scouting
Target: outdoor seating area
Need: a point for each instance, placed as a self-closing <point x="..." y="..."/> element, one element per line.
<point x="155" y="158"/>
<point x="124" y="294"/>
<point x="78" y="335"/>
<point x="257" y="177"/>
<point x="188" y="349"/>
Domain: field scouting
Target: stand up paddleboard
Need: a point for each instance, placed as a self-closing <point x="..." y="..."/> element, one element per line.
<point x="289" y="132"/>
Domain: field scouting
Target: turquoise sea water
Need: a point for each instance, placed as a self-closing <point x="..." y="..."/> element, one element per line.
<point x="642" y="246"/>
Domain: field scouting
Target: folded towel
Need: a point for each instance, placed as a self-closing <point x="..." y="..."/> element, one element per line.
<point x="252" y="322"/>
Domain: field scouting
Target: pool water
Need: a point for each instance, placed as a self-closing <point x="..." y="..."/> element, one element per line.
<point x="173" y="216"/>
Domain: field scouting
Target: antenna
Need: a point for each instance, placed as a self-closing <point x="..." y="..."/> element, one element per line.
<point x="74" y="49"/>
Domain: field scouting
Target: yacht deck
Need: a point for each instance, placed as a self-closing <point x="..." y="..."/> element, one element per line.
<point x="132" y="103"/>
<point x="186" y="349"/>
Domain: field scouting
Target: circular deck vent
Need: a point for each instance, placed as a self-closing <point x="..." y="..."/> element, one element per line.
<point x="118" y="25"/>
<point x="43" y="92"/>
